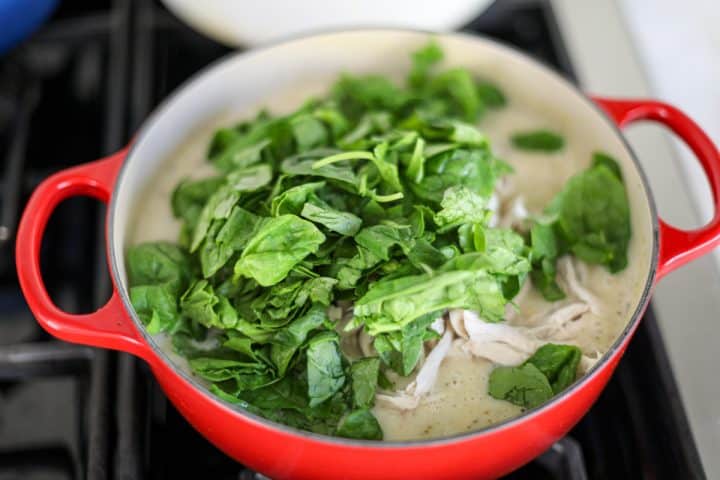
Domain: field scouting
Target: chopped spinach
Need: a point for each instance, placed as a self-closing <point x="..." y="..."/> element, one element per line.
<point x="364" y="374"/>
<point x="538" y="140"/>
<point x="525" y="386"/>
<point x="589" y="218"/>
<point x="558" y="363"/>
<point x="549" y="371"/>
<point x="324" y="367"/>
<point x="360" y="424"/>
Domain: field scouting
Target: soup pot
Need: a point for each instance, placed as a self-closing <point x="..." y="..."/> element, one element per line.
<point x="241" y="82"/>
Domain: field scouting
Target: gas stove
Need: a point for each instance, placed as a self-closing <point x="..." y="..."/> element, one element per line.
<point x="78" y="90"/>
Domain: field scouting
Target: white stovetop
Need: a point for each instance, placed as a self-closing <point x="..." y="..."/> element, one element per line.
<point x="669" y="50"/>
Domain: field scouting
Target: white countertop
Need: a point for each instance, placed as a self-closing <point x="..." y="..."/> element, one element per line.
<point x="669" y="50"/>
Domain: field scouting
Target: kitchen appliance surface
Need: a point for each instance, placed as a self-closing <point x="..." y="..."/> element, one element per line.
<point x="121" y="395"/>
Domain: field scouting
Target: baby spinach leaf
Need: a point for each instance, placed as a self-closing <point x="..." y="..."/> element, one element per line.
<point x="559" y="364"/>
<point x="360" y="424"/>
<point x="505" y="251"/>
<point x="280" y="244"/>
<point x="356" y="94"/>
<point x="286" y="342"/>
<point x="293" y="199"/>
<point x="391" y="304"/>
<point x="601" y="158"/>
<point x="369" y="123"/>
<point x="242" y="151"/>
<point x="224" y="238"/>
<point x="544" y="253"/>
<point x="549" y="371"/>
<point x="538" y="140"/>
<point x="218" y="207"/>
<point x="190" y="196"/>
<point x="474" y="169"/>
<point x="250" y="178"/>
<point x="416" y="165"/>
<point x="344" y="223"/>
<point x="303" y="164"/>
<point x="466" y="134"/>
<point x="525" y="386"/>
<point x="593" y="217"/>
<point x="158" y="263"/>
<point x="401" y="349"/>
<point x="324" y="367"/>
<point x="422" y="254"/>
<point x="320" y="289"/>
<point x="331" y="116"/>
<point x="201" y="304"/>
<point x="286" y="402"/>
<point x="349" y="270"/>
<point x="422" y="61"/>
<point x="543" y="278"/>
<point x="246" y="346"/>
<point x="156" y="306"/>
<point x="364" y="374"/>
<point x="379" y="239"/>
<point x="309" y="132"/>
<point x="491" y="95"/>
<point x="458" y="86"/>
<point x="461" y="205"/>
<point x="245" y="375"/>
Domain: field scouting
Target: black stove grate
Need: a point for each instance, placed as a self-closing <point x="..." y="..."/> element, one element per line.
<point x="77" y="91"/>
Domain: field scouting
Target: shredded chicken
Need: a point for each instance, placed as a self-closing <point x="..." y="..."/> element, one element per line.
<point x="506" y="344"/>
<point x="498" y="342"/>
<point x="494" y="206"/>
<point x="504" y="187"/>
<point x="457" y="323"/>
<point x="497" y="352"/>
<point x="409" y="398"/>
<point x="587" y="362"/>
<point x="438" y="325"/>
<point x="511" y="310"/>
<point x="334" y="313"/>
<point x="569" y="278"/>
<point x="427" y="375"/>
<point x="551" y="324"/>
<point x="365" y="342"/>
<point x="515" y="214"/>
<point x="401" y="401"/>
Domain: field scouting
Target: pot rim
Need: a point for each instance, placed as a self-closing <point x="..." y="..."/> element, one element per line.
<point x="615" y="349"/>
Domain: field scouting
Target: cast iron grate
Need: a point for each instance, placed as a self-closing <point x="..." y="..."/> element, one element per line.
<point x="78" y="90"/>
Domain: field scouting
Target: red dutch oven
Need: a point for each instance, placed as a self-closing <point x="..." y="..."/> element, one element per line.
<point x="243" y="81"/>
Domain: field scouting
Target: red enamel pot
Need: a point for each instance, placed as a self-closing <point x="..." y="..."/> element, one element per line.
<point x="243" y="81"/>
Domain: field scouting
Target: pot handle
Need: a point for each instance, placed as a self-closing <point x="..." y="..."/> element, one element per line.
<point x="677" y="246"/>
<point x="107" y="327"/>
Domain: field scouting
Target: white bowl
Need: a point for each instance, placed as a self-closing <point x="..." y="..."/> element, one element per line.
<point x="248" y="23"/>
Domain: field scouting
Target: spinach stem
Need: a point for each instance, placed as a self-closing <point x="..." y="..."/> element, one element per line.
<point x="338" y="157"/>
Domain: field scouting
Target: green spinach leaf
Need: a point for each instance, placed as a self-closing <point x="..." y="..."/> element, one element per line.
<point x="280" y="244"/>
<point x="364" y="374"/>
<point x="344" y="223"/>
<point x="360" y="424"/>
<point x="538" y="140"/>
<point x="559" y="364"/>
<point x="324" y="367"/>
<point x="525" y="386"/>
